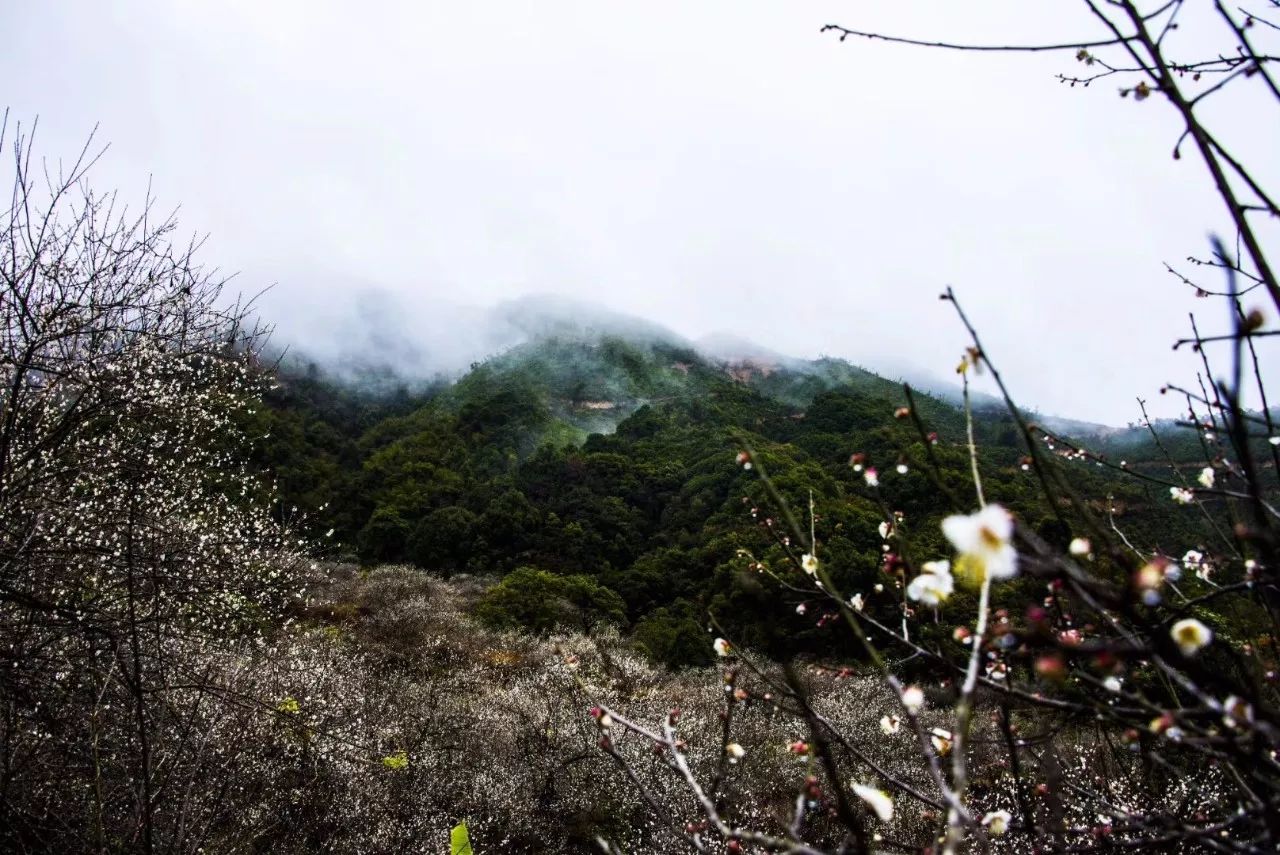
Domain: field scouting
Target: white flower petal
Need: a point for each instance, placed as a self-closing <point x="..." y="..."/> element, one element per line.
<point x="962" y="531"/>
<point x="912" y="699"/>
<point x="998" y="521"/>
<point x="997" y="822"/>
<point x="877" y="800"/>
<point x="940" y="568"/>
<point x="1002" y="563"/>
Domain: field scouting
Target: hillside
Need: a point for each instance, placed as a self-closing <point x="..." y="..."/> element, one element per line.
<point x="611" y="456"/>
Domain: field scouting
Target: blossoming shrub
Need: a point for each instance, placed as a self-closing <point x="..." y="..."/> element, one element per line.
<point x="395" y="714"/>
<point x="386" y="714"/>
<point x="133" y="539"/>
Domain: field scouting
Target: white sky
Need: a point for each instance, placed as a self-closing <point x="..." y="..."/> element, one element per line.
<point x="713" y="165"/>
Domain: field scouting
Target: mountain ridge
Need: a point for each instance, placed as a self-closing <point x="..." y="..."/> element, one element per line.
<point x="536" y="327"/>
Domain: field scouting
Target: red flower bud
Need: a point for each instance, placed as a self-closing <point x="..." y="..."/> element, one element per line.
<point x="1052" y="667"/>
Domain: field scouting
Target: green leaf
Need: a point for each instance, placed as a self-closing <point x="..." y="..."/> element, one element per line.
<point x="398" y="761"/>
<point x="459" y="840"/>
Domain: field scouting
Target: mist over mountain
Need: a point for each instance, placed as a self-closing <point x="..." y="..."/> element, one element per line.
<point x="381" y="342"/>
<point x="728" y="347"/>
<point x="372" y="336"/>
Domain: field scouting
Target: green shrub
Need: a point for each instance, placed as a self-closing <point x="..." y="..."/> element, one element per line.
<point x="673" y="637"/>
<point x="538" y="601"/>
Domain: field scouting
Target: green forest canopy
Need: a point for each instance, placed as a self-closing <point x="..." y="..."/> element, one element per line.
<point x="610" y="462"/>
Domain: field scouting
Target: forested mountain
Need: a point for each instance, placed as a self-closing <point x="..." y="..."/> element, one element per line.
<point x="610" y="459"/>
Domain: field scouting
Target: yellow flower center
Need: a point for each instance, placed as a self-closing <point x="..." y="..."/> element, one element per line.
<point x="970" y="570"/>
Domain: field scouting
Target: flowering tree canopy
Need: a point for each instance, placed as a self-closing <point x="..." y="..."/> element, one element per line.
<point x="129" y="525"/>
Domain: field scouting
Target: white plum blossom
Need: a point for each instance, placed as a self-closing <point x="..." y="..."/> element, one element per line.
<point x="858" y="602"/>
<point x="735" y="751"/>
<point x="1206" y="477"/>
<point x="1191" y="636"/>
<point x="809" y="562"/>
<point x="722" y="647"/>
<point x="1080" y="547"/>
<point x="983" y="541"/>
<point x="889" y="724"/>
<point x="1195" y="560"/>
<point x="1181" y="495"/>
<point x="912" y="699"/>
<point x="1237" y="712"/>
<point x="933" y="585"/>
<point x="877" y="800"/>
<point x="997" y="822"/>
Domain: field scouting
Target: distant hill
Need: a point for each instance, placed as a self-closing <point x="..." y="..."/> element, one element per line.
<point x="605" y="447"/>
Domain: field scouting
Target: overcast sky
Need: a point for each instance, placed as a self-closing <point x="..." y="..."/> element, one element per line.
<point x="712" y="165"/>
